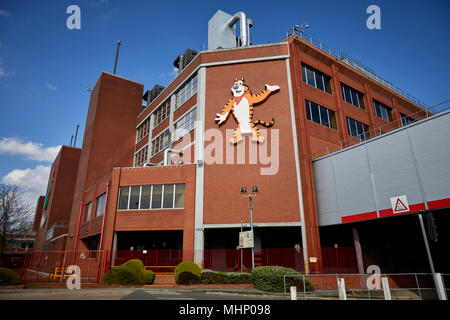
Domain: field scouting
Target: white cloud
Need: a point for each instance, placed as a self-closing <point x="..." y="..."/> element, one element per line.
<point x="50" y="87"/>
<point x="3" y="72"/>
<point x="32" y="181"/>
<point x="4" y="14"/>
<point x="31" y="150"/>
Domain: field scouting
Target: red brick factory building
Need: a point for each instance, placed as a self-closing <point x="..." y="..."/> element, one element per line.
<point x="167" y="176"/>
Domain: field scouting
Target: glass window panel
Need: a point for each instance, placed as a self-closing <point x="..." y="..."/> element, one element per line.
<point x="123" y="198"/>
<point x="157" y="197"/>
<point x="168" y="196"/>
<point x="134" y="197"/>
<point x="347" y="95"/>
<point x="355" y="100"/>
<point x="304" y="73"/>
<point x="87" y="211"/>
<point x="100" y="205"/>
<point x="310" y="77"/>
<point x="320" y="81"/>
<point x="332" y="116"/>
<point x="145" y="197"/>
<point x="324" y="116"/>
<point x="352" y="127"/>
<point x="179" y="195"/>
<point x="315" y="112"/>
<point x="308" y="110"/>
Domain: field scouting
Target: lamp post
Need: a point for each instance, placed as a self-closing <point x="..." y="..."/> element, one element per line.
<point x="250" y="196"/>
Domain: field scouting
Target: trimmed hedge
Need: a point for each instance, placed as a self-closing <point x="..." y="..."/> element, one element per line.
<point x="8" y="277"/>
<point x="187" y="272"/>
<point x="130" y="273"/>
<point x="270" y="278"/>
<point x="216" y="277"/>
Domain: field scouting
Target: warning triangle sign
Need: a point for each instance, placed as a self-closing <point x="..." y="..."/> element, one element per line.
<point x="400" y="206"/>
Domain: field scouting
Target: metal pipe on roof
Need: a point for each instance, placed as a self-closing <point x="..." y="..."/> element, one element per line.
<point x="244" y="27"/>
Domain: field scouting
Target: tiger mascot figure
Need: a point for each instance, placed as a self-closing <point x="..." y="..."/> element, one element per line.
<point x="241" y="105"/>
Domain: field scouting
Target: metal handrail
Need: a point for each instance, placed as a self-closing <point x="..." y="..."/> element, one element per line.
<point x="395" y="124"/>
<point x="345" y="58"/>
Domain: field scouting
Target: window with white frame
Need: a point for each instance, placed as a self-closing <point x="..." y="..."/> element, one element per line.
<point x="143" y="130"/>
<point x="352" y="96"/>
<point x="382" y="111"/>
<point x="357" y="129"/>
<point x="161" y="142"/>
<point x="320" y="114"/>
<point x="186" y="91"/>
<point x="316" y="78"/>
<point x="49" y="234"/>
<point x="100" y="205"/>
<point x="140" y="157"/>
<point x="185" y="124"/>
<point x="161" y="113"/>
<point x="148" y="197"/>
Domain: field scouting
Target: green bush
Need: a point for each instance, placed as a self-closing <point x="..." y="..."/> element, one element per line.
<point x="187" y="272"/>
<point x="270" y="278"/>
<point x="216" y="277"/>
<point x="130" y="273"/>
<point x="8" y="277"/>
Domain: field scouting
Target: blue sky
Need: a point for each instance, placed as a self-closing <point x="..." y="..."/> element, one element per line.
<point x="45" y="67"/>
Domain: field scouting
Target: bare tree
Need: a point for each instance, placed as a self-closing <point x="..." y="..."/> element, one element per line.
<point x="14" y="212"/>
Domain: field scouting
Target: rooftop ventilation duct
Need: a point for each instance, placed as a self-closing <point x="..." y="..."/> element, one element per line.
<point x="183" y="59"/>
<point x="150" y="95"/>
<point x="222" y="30"/>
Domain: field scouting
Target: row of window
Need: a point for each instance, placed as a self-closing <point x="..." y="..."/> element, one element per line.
<point x="159" y="196"/>
<point x="322" y="82"/>
<point x="187" y="91"/>
<point x="161" y="113"/>
<point x="143" y="129"/>
<point x="140" y="157"/>
<point x="185" y="124"/>
<point x="161" y="142"/>
<point x="99" y="209"/>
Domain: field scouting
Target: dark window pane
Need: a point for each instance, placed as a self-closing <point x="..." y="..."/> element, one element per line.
<point x="347" y="95"/>
<point x="157" y="197"/>
<point x="315" y="112"/>
<point x="319" y="81"/>
<point x="134" y="197"/>
<point x="355" y="100"/>
<point x="123" y="198"/>
<point x="87" y="211"/>
<point x="310" y="76"/>
<point x="168" y="196"/>
<point x="351" y="127"/>
<point x="145" y="197"/>
<point x="179" y="195"/>
<point x="100" y="205"/>
<point x="324" y="116"/>
<point x="304" y="73"/>
<point x="332" y="116"/>
<point x="308" y="110"/>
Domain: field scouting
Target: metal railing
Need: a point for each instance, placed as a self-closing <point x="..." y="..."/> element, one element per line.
<point x="367" y="135"/>
<point x="402" y="286"/>
<point x="345" y="58"/>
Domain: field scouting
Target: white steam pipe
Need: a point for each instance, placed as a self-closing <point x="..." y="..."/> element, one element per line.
<point x="166" y="154"/>
<point x="244" y="26"/>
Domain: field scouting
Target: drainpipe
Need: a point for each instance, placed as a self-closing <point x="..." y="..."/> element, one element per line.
<point x="166" y="155"/>
<point x="244" y="28"/>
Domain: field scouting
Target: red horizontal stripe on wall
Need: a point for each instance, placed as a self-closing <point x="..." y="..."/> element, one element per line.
<point x="359" y="217"/>
<point x="436" y="204"/>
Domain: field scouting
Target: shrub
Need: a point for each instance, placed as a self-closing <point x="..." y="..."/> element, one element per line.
<point x="216" y="277"/>
<point x="187" y="272"/>
<point x="270" y="278"/>
<point x="8" y="277"/>
<point x="130" y="273"/>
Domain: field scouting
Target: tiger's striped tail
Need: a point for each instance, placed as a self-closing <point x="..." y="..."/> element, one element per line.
<point x="264" y="123"/>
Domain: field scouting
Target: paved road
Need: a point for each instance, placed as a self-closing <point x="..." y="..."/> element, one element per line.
<point x="134" y="294"/>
